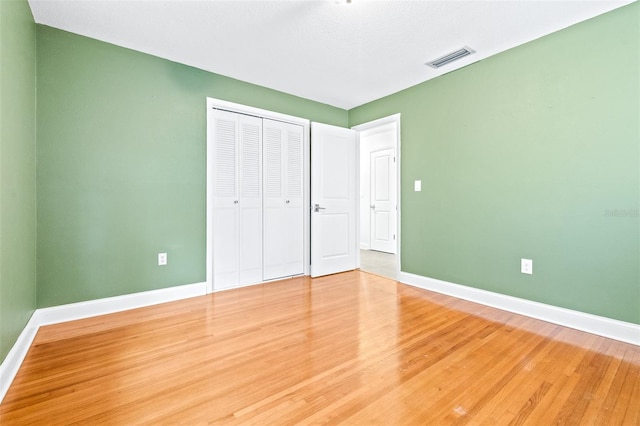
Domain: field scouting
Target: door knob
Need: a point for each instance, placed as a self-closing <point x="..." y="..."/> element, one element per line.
<point x="373" y="206"/>
<point x="317" y="208"/>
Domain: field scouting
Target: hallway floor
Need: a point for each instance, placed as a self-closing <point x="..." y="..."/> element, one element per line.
<point x="379" y="263"/>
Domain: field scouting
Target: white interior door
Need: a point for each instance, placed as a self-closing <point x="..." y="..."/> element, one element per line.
<point x="383" y="197"/>
<point x="333" y="199"/>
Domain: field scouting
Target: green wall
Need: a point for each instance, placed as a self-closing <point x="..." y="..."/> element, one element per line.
<point x="17" y="170"/>
<point x="121" y="165"/>
<point x="532" y="153"/>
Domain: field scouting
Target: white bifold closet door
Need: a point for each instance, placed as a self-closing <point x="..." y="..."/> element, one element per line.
<point x="237" y="199"/>
<point x="283" y="243"/>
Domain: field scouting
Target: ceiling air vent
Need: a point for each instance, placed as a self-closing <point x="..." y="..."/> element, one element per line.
<point x="453" y="56"/>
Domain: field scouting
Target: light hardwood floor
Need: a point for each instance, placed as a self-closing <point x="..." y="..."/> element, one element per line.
<point x="351" y="348"/>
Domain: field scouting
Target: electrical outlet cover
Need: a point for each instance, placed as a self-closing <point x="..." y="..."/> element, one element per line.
<point x="526" y="266"/>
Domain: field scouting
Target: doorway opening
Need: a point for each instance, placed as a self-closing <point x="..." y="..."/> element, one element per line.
<point x="379" y="164"/>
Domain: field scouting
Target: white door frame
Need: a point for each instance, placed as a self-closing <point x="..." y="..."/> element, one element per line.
<point x="372" y="141"/>
<point x="395" y="118"/>
<point x="212" y="104"/>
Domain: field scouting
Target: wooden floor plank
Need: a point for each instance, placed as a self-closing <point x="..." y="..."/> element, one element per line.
<point x="351" y="348"/>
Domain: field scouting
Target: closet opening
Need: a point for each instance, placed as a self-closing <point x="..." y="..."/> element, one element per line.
<point x="258" y="183"/>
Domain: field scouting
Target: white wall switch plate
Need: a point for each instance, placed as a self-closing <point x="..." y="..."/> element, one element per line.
<point x="162" y="259"/>
<point x="526" y="266"/>
<point x="417" y="186"/>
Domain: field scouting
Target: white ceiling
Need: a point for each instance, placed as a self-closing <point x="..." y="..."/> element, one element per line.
<point x="331" y="52"/>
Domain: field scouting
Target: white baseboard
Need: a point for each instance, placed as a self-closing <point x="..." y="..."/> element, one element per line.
<point x="109" y="305"/>
<point x="602" y="326"/>
<point x="12" y="362"/>
<point x="74" y="311"/>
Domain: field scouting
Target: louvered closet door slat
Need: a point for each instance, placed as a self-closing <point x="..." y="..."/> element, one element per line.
<point x="294" y="162"/>
<point x="251" y="160"/>
<point x="272" y="147"/>
<point x="225" y="163"/>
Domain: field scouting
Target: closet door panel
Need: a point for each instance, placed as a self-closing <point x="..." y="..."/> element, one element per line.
<point x="237" y="217"/>
<point x="274" y="225"/>
<point x="250" y="200"/>
<point x="294" y="213"/>
<point x="225" y="186"/>
<point x="283" y="199"/>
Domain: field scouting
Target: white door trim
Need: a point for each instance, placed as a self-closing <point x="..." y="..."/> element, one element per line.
<point x="395" y="118"/>
<point x="213" y="104"/>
